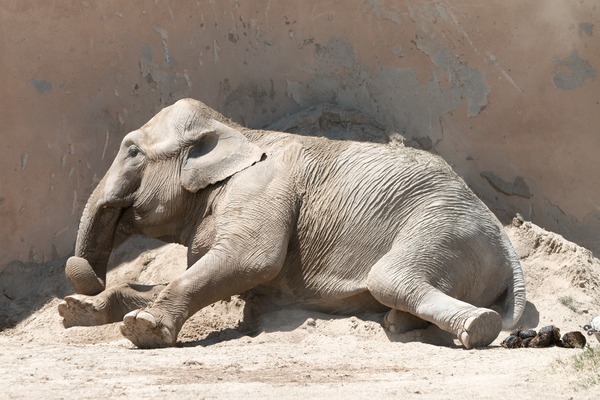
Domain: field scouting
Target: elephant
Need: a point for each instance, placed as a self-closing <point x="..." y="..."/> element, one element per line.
<point x="341" y="227"/>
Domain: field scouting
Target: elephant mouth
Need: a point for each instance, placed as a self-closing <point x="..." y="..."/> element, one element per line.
<point x="126" y="225"/>
<point x="134" y="218"/>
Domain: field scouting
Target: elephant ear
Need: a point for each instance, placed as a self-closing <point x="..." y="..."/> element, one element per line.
<point x="216" y="153"/>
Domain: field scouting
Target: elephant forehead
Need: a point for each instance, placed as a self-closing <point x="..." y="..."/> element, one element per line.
<point x="153" y="142"/>
<point x="164" y="130"/>
<point x="168" y="123"/>
<point x="173" y="126"/>
<point x="147" y="139"/>
<point x="177" y="120"/>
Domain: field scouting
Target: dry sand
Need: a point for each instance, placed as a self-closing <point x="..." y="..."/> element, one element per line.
<point x="292" y="353"/>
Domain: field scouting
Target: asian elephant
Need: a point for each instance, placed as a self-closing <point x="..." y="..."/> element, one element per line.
<point x="335" y="226"/>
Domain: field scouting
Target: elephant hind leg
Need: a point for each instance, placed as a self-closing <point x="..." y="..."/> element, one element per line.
<point x="473" y="326"/>
<point x="106" y="307"/>
<point x="397" y="321"/>
<point x="400" y="288"/>
<point x="480" y="328"/>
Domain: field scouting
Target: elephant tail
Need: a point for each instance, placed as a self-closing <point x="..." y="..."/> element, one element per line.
<point x="514" y="301"/>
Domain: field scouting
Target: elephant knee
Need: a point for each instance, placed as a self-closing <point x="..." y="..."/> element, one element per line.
<point x="390" y="289"/>
<point x="397" y="287"/>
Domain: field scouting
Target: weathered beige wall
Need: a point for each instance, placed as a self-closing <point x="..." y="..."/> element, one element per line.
<point x="506" y="91"/>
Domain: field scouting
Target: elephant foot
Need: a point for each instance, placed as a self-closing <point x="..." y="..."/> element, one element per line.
<point x="481" y="329"/>
<point x="82" y="310"/>
<point x="397" y="321"/>
<point x="147" y="331"/>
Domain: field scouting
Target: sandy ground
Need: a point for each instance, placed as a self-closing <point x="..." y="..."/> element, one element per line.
<point x="292" y="353"/>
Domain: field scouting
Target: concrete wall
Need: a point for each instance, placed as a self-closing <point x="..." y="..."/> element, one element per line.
<point x="506" y="91"/>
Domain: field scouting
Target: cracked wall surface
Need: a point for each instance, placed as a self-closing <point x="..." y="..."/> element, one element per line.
<point x="507" y="92"/>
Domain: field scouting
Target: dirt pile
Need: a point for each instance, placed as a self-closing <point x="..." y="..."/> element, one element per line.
<point x="563" y="279"/>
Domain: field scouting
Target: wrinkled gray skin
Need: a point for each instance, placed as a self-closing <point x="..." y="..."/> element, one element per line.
<point x="340" y="227"/>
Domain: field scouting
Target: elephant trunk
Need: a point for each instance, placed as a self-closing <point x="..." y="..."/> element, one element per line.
<point x="87" y="269"/>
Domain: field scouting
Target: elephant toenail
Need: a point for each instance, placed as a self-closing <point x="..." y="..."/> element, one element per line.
<point x="148" y="318"/>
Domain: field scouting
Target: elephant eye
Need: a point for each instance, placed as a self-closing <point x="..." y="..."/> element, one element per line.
<point x="132" y="152"/>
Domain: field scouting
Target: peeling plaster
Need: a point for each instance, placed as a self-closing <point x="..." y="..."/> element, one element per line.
<point x="24" y="159"/>
<point x="41" y="86"/>
<point x="164" y="37"/>
<point x="146" y="52"/>
<point x="518" y="187"/>
<point x="163" y="77"/>
<point x="252" y="92"/>
<point x="586" y="28"/>
<point x="465" y="82"/>
<point x="572" y="71"/>
<point x="381" y="11"/>
<point x="394" y="94"/>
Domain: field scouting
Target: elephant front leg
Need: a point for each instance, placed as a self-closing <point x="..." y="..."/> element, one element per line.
<point x="106" y="307"/>
<point x="212" y="278"/>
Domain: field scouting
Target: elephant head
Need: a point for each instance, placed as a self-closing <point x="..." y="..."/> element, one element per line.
<point x="153" y="180"/>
